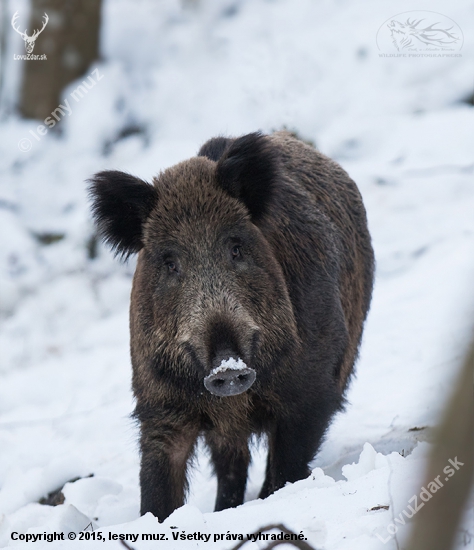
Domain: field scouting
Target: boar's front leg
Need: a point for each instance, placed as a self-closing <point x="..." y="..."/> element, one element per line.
<point x="230" y="458"/>
<point x="291" y="447"/>
<point x="166" y="447"/>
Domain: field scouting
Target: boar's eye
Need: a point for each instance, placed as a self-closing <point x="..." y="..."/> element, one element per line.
<point x="172" y="267"/>
<point x="236" y="252"/>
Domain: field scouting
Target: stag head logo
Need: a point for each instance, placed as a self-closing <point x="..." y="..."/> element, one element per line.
<point x="420" y="33"/>
<point x="409" y="33"/>
<point x="29" y="40"/>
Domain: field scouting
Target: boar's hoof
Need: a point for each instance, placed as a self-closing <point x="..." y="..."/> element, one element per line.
<point x="230" y="381"/>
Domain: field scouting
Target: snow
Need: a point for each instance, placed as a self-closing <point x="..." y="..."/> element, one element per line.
<point x="229" y="364"/>
<point x="173" y="77"/>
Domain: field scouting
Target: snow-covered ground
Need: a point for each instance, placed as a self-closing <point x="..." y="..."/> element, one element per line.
<point x="171" y="78"/>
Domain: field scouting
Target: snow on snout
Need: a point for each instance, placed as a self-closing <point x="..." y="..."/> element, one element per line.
<point x="229" y="364"/>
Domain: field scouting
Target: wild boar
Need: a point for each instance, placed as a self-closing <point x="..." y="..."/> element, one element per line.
<point x="253" y="281"/>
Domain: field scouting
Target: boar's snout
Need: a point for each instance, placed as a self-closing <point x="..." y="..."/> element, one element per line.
<point x="232" y="344"/>
<point x="230" y="375"/>
<point x="230" y="382"/>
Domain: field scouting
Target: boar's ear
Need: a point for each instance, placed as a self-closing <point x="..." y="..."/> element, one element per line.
<point x="248" y="170"/>
<point x="214" y="148"/>
<point x="121" y="204"/>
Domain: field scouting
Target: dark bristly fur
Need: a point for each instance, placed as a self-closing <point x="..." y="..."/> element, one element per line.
<point x="256" y="249"/>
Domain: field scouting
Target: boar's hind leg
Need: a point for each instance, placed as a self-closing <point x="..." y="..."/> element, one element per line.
<point x="230" y="458"/>
<point x="291" y="447"/>
<point x="165" y="451"/>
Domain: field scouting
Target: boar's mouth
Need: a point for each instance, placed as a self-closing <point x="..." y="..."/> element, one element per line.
<point x="230" y="377"/>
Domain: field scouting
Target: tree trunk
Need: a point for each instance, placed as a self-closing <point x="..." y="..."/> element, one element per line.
<point x="70" y="41"/>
